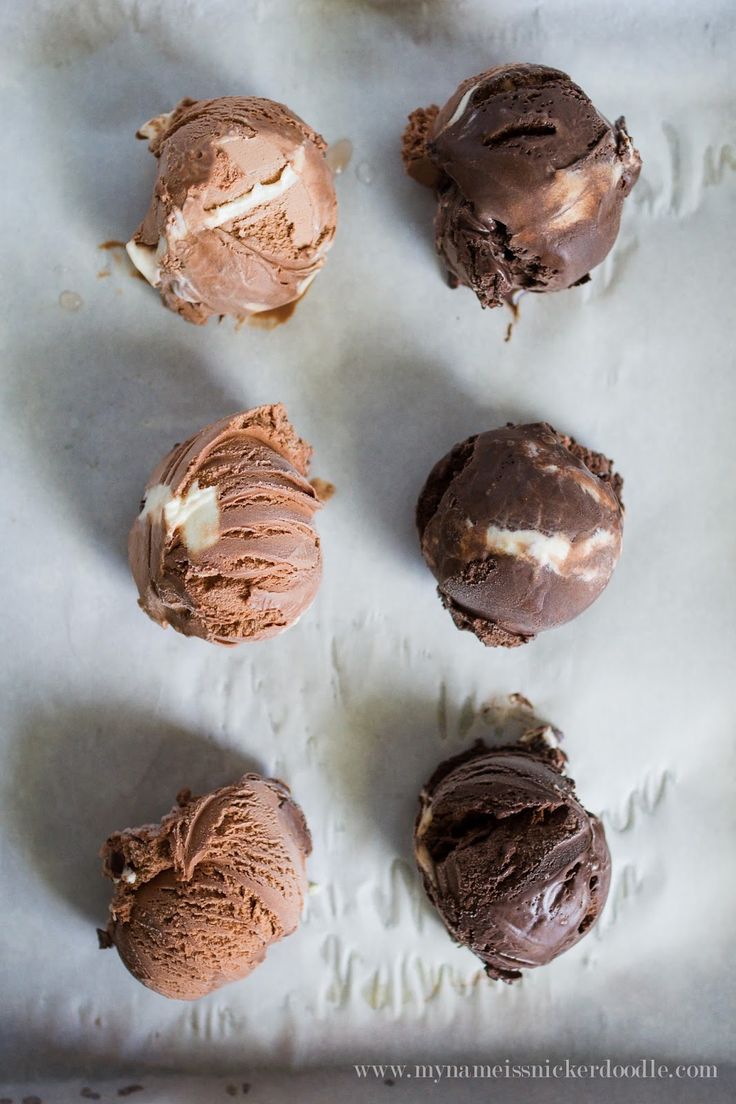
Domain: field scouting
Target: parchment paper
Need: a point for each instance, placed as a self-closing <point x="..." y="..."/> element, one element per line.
<point x="105" y="716"/>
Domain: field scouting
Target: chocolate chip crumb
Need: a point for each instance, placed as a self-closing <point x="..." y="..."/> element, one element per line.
<point x="323" y="488"/>
<point x="103" y="939"/>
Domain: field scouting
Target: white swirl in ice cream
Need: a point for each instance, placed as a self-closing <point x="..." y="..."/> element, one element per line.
<point x="243" y="209"/>
<point x="224" y="547"/>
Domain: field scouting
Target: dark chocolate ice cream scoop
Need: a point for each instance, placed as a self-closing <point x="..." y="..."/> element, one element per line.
<point x="530" y="180"/>
<point x="522" y="529"/>
<point x="518" y="870"/>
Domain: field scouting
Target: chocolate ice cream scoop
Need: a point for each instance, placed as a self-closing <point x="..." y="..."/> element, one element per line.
<point x="530" y="180"/>
<point x="243" y="209"/>
<point x="200" y="897"/>
<point x="518" y="870"/>
<point x="522" y="529"/>
<point x="224" y="546"/>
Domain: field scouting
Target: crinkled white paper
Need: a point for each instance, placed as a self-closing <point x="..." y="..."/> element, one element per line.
<point x="382" y="368"/>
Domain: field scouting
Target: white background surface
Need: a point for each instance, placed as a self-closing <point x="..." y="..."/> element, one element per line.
<point x="104" y="716"/>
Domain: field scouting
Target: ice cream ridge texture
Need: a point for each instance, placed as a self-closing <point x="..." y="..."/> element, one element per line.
<point x="224" y="547"/>
<point x="530" y="180"/>
<point x="200" y="897"/>
<point x="243" y="208"/>
<point x="522" y="528"/>
<point x="516" y="867"/>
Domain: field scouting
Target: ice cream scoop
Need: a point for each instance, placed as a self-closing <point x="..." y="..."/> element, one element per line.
<point x="522" y="528"/>
<point x="243" y="209"/>
<point x="530" y="180"/>
<point x="200" y="897"/>
<point x="224" y="547"/>
<point x="518" y="870"/>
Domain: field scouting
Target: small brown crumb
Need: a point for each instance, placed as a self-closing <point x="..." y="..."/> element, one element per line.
<point x="103" y="939"/>
<point x="514" y="308"/>
<point x="128" y="1090"/>
<point x="89" y="1094"/>
<point x="103" y="273"/>
<point x="323" y="489"/>
<point x="120" y="259"/>
<point x="231" y="1090"/>
<point x="414" y="152"/>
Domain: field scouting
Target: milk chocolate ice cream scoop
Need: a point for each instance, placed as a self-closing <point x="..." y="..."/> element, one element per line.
<point x="518" y="870"/>
<point x="224" y="547"/>
<point x="530" y="180"/>
<point x="522" y="529"/>
<point x="200" y="897"/>
<point x="243" y="209"/>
